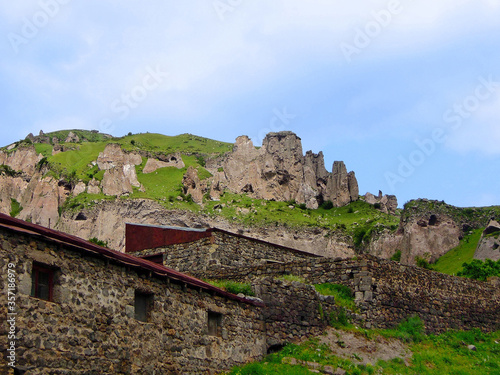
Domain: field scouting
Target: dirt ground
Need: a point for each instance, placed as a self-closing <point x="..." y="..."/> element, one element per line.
<point x="356" y="347"/>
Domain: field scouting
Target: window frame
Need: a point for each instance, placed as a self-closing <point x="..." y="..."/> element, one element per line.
<point x="36" y="269"/>
<point x="148" y="300"/>
<point x="214" y="323"/>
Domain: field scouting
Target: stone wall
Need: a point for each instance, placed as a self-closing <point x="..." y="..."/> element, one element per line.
<point x="387" y="292"/>
<point x="90" y="326"/>
<point x="223" y="250"/>
<point x="293" y="310"/>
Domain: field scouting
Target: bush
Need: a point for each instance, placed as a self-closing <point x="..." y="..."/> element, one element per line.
<point x="411" y="329"/>
<point x="421" y="262"/>
<point x="8" y="171"/>
<point x="98" y="242"/>
<point x="396" y="256"/>
<point x="343" y="294"/>
<point x="327" y="205"/>
<point x="362" y="235"/>
<point x="201" y="160"/>
<point x="42" y="163"/>
<point x="479" y="270"/>
<point x="339" y="318"/>
<point x="233" y="287"/>
<point x="15" y="207"/>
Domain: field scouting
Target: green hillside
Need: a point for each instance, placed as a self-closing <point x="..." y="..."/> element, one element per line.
<point x="452" y="261"/>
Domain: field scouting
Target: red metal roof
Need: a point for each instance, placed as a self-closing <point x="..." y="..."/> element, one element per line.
<point x="141" y="237"/>
<point x="35" y="230"/>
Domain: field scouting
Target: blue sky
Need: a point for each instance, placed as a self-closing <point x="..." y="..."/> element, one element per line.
<point x="406" y="93"/>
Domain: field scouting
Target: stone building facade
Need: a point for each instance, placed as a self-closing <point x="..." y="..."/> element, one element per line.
<point x="204" y="251"/>
<point x="80" y="308"/>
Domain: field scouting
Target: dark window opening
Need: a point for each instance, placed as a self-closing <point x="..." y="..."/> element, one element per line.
<point x="143" y="305"/>
<point x="214" y="324"/>
<point x="433" y="220"/>
<point x="275" y="348"/>
<point x="42" y="282"/>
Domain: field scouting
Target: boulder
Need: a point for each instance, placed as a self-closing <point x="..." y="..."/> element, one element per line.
<point x="72" y="138"/>
<point x="174" y="160"/>
<point x="120" y="175"/>
<point x="488" y="246"/>
<point x="79" y="188"/>
<point x="387" y="203"/>
<point x="93" y="187"/>
<point x="192" y="185"/>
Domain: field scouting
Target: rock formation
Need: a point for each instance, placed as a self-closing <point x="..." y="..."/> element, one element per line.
<point x="23" y="159"/>
<point x="174" y="160"/>
<point x="489" y="244"/>
<point x="192" y="185"/>
<point x="280" y="171"/>
<point x="385" y="203"/>
<point x="120" y="175"/>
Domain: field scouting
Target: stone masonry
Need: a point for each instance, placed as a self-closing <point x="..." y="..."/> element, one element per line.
<point x="90" y="327"/>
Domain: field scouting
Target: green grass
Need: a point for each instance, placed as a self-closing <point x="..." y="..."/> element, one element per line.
<point x="15" y="207"/>
<point x="184" y="143"/>
<point x="446" y="353"/>
<point x="343" y="294"/>
<point x="44" y="149"/>
<point x="292" y="278"/>
<point x="451" y="262"/>
<point x="259" y="212"/>
<point x="233" y="286"/>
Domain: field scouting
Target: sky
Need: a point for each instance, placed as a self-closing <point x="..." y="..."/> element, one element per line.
<point x="406" y="93"/>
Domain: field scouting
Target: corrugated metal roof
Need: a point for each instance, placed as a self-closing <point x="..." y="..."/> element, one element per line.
<point x="210" y="230"/>
<point x="35" y="230"/>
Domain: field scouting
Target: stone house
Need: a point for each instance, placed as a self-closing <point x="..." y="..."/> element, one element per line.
<point x="386" y="292"/>
<point x="204" y="251"/>
<point x="80" y="308"/>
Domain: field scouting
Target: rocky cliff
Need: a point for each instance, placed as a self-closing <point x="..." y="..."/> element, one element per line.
<point x="428" y="229"/>
<point x="106" y="221"/>
<point x="489" y="244"/>
<point x="280" y="171"/>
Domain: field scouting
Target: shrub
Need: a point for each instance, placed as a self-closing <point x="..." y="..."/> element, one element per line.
<point x="411" y="329"/>
<point x="15" y="207"/>
<point x="290" y="278"/>
<point x="42" y="163"/>
<point x="479" y="270"/>
<point x="98" y="242"/>
<point x="201" y="160"/>
<point x="421" y="262"/>
<point x="339" y="318"/>
<point x="362" y="235"/>
<point x="396" y="256"/>
<point x="233" y="287"/>
<point x="343" y="294"/>
<point x="7" y="170"/>
<point x="327" y="205"/>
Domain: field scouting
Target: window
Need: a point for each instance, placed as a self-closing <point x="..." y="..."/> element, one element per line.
<point x="214" y="324"/>
<point x="42" y="282"/>
<point x="143" y="305"/>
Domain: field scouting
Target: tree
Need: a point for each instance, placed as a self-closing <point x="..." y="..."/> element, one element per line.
<point x="479" y="270"/>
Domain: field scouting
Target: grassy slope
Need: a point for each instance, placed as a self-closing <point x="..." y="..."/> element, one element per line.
<point x="433" y="354"/>
<point x="164" y="185"/>
<point x="260" y="212"/>
<point x="452" y="261"/>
